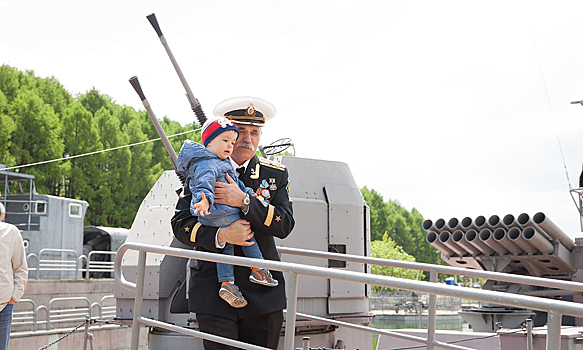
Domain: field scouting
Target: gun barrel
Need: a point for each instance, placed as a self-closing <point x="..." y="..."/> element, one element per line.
<point x="136" y="84"/>
<point x="194" y="103"/>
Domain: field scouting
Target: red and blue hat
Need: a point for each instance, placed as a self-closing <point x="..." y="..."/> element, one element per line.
<point x="213" y="127"/>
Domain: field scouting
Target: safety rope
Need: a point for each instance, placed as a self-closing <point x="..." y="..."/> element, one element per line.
<point x="67" y="334"/>
<point x="87" y="320"/>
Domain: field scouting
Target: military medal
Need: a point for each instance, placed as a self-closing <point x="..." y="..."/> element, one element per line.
<point x="265" y="193"/>
<point x="272" y="185"/>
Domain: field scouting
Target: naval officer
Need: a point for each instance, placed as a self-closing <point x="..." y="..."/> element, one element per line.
<point x="264" y="217"/>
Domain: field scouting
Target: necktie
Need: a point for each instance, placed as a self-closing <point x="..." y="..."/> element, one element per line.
<point x="241" y="170"/>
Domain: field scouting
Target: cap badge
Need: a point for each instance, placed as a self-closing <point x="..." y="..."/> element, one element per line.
<point x="251" y="110"/>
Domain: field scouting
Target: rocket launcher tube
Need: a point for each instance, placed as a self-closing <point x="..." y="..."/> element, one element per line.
<point x="432" y="238"/>
<point x="486" y="237"/>
<point x="445" y="238"/>
<point x="515" y="235"/>
<point x="458" y="237"/>
<point x="501" y="236"/>
<point x="552" y="230"/>
<point x="471" y="237"/>
<point x="536" y="239"/>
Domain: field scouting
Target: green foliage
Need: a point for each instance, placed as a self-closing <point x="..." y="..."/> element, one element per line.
<point x="400" y="225"/>
<point x="39" y="121"/>
<point x="388" y="249"/>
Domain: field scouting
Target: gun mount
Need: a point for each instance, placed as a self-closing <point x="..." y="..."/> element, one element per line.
<point x="524" y="245"/>
<point x="330" y="215"/>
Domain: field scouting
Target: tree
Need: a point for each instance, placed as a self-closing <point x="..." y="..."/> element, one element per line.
<point x="81" y="136"/>
<point x="36" y="137"/>
<point x="400" y="225"/>
<point x="388" y="249"/>
<point x="7" y="127"/>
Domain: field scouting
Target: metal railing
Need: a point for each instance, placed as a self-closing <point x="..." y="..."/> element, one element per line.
<point x="69" y="262"/>
<point x="554" y="308"/>
<point x="59" y="316"/>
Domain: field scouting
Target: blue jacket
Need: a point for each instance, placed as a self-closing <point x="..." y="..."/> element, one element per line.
<point x="202" y="168"/>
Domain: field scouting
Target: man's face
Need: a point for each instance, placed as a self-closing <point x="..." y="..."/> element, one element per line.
<point x="247" y="143"/>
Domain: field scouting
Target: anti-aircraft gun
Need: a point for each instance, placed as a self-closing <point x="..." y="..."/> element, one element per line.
<point x="330" y="216"/>
<point x="524" y="245"/>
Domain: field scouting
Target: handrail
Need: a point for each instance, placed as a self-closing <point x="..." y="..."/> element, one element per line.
<point x="22" y="318"/>
<point x="100" y="266"/>
<point x="497" y="276"/>
<point x="37" y="265"/>
<point x="554" y="308"/>
<point x="377" y="331"/>
<point x="68" y="265"/>
<point x="68" y="310"/>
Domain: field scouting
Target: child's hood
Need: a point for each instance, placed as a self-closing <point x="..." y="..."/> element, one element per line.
<point x="189" y="153"/>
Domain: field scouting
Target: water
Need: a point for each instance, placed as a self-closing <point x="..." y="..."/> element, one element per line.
<point x="444" y="322"/>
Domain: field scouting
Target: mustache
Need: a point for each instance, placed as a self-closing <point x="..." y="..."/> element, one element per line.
<point x="246" y="145"/>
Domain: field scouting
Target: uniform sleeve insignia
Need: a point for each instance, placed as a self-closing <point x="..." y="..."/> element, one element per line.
<point x="271" y="164"/>
<point x="278" y="218"/>
<point x="187" y="229"/>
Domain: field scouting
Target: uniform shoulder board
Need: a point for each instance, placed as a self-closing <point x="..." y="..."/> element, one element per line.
<point x="271" y="164"/>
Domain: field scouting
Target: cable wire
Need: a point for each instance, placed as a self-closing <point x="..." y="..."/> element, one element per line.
<point x="96" y="152"/>
<point x="551" y="110"/>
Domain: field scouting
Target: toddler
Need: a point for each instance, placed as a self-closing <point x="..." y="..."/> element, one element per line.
<point x="202" y="167"/>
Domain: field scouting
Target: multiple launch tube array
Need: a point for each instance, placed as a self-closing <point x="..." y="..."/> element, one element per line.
<point x="523" y="235"/>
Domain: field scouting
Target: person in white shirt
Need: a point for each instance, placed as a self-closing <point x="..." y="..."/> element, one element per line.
<point x="13" y="275"/>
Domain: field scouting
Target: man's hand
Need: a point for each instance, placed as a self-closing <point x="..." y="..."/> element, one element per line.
<point x="237" y="233"/>
<point x="229" y="194"/>
<point x="12" y="301"/>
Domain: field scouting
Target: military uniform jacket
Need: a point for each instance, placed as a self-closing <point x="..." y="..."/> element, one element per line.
<point x="272" y="217"/>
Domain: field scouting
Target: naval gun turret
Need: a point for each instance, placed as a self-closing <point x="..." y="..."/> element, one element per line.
<point x="330" y="215"/>
<point x="525" y="245"/>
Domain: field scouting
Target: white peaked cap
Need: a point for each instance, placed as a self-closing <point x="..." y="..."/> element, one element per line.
<point x="246" y="110"/>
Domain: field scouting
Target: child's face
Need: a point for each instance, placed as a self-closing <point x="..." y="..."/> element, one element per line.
<point x="222" y="145"/>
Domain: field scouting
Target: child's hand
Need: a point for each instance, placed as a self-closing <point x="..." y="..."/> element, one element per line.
<point x="202" y="205"/>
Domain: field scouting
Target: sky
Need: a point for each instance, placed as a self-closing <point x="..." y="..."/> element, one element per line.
<point x="454" y="108"/>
